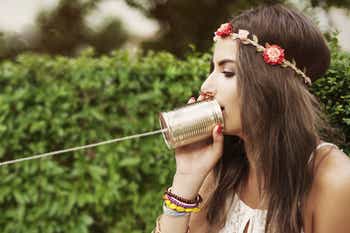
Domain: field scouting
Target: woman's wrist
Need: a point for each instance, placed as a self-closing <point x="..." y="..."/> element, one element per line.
<point x="187" y="186"/>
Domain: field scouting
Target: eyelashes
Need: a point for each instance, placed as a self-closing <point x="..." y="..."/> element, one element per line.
<point x="228" y="74"/>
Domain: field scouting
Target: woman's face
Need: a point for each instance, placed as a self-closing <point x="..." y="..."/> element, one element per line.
<point x="223" y="82"/>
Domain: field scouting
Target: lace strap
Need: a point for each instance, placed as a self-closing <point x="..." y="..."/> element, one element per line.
<point x="319" y="146"/>
<point x="325" y="144"/>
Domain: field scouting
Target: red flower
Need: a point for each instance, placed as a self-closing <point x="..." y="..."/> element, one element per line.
<point x="273" y="54"/>
<point x="224" y="30"/>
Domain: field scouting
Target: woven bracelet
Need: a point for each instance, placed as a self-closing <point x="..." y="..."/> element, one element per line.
<point x="198" y="199"/>
<point x="179" y="203"/>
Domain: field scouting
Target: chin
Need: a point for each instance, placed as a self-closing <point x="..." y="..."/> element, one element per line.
<point x="233" y="132"/>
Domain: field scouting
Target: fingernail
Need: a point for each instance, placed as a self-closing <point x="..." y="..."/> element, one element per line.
<point x="219" y="129"/>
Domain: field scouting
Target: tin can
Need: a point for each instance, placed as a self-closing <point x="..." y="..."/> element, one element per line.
<point x="191" y="123"/>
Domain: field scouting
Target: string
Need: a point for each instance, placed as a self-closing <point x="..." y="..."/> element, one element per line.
<point x="82" y="147"/>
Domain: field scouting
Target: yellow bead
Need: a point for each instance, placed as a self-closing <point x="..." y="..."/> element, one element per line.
<point x="196" y="209"/>
<point x="180" y="209"/>
<point x="172" y="206"/>
<point x="167" y="202"/>
<point x="188" y="210"/>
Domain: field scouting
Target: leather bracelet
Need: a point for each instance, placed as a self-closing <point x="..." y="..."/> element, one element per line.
<point x="198" y="199"/>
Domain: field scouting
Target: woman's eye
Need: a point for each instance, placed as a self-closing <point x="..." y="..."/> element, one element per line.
<point x="228" y="74"/>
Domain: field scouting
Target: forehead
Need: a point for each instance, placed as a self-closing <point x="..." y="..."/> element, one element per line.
<point x="225" y="49"/>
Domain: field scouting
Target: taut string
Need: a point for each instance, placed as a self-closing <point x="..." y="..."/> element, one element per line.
<point x="82" y="147"/>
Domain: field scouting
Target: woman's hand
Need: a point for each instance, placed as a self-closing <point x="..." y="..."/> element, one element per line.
<point x="198" y="159"/>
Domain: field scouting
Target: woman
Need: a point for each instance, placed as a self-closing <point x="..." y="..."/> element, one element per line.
<point x="273" y="171"/>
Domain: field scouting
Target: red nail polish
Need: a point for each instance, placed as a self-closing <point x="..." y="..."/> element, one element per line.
<point x="219" y="129"/>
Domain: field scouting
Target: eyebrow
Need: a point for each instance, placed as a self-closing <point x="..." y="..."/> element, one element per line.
<point x="223" y="61"/>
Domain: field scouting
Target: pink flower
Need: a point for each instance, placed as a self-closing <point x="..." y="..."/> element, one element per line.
<point x="273" y="54"/>
<point x="243" y="34"/>
<point x="224" y="30"/>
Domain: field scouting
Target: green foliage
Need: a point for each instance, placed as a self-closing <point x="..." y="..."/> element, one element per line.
<point x="333" y="90"/>
<point x="51" y="103"/>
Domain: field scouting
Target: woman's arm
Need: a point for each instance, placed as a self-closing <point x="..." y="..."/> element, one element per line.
<point x="332" y="202"/>
<point x="194" y="163"/>
<point x="186" y="186"/>
<point x="196" y="221"/>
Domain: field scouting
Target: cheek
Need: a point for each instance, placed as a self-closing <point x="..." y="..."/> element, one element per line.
<point x="233" y="115"/>
<point x="230" y="96"/>
<point x="233" y="98"/>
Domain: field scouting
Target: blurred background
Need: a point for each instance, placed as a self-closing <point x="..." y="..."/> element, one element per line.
<point x="75" y="72"/>
<point x="68" y="26"/>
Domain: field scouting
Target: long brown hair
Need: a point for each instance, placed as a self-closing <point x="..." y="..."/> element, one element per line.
<point x="281" y="119"/>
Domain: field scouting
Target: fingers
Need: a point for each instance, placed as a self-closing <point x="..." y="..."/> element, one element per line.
<point x="191" y="100"/>
<point x="218" y="139"/>
<point x="200" y="97"/>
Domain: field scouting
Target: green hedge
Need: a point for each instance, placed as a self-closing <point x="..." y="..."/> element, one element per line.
<point x="51" y="103"/>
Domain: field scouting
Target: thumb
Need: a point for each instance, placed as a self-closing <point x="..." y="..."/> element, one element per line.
<point x="218" y="139"/>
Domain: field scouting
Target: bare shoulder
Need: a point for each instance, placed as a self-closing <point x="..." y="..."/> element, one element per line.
<point x="333" y="169"/>
<point x="332" y="193"/>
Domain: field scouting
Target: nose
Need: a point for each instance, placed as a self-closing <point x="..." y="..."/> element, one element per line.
<point x="208" y="87"/>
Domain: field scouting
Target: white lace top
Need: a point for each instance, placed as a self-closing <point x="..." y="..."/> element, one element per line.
<point x="240" y="214"/>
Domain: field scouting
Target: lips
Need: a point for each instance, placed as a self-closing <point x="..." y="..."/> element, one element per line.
<point x="210" y="97"/>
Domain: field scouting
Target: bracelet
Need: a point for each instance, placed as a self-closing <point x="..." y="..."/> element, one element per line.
<point x="198" y="199"/>
<point x="180" y="208"/>
<point x="179" y="203"/>
<point x="168" y="211"/>
<point x="157" y="229"/>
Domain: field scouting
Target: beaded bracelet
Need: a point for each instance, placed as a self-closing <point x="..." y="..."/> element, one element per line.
<point x="179" y="203"/>
<point x="198" y="199"/>
<point x="170" y="212"/>
<point x="180" y="208"/>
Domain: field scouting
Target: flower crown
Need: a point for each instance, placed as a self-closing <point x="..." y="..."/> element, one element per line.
<point x="272" y="54"/>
